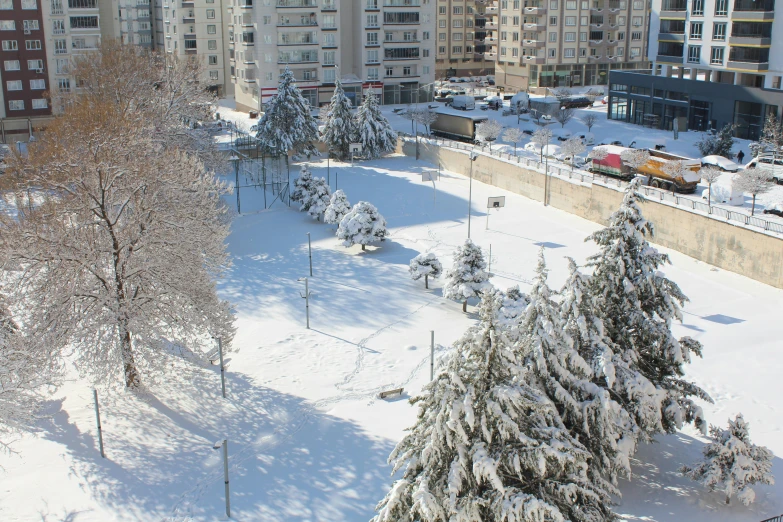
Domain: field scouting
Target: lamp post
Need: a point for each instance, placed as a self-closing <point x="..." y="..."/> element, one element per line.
<point x="235" y="160"/>
<point x="473" y="157"/>
<point x="306" y="297"/>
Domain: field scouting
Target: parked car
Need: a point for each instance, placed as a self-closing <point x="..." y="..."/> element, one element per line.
<point x="454" y="79"/>
<point x="776" y="210"/>
<point x="605" y="100"/>
<point x="579" y="102"/>
<point x="465" y="79"/>
<point x="722" y="163"/>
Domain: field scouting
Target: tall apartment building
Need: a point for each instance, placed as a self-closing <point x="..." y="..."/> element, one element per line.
<point x="24" y="73"/>
<point x="195" y="28"/>
<point x="567" y="43"/>
<point x="383" y="45"/>
<point x="711" y="65"/>
<point x="466" y="46"/>
<point x="129" y="20"/>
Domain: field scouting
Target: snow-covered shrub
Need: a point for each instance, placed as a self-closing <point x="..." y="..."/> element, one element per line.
<point x="732" y="463"/>
<point x="338" y="207"/>
<point x="426" y="265"/>
<point x="319" y="198"/>
<point x="488" y="445"/>
<point x="467" y="277"/>
<point x="303" y="187"/>
<point x="362" y="225"/>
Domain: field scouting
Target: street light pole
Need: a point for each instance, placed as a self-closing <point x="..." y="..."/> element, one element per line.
<point x="310" y="253"/>
<point x="473" y="157"/>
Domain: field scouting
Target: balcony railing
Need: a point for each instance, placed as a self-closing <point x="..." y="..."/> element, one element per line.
<point x="297" y="3"/>
<point x="297" y="23"/>
<point x="751" y="5"/>
<point x="401" y="3"/>
<point x="674" y="5"/>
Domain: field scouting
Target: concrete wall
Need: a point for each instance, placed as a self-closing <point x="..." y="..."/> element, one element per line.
<point x="725" y="245"/>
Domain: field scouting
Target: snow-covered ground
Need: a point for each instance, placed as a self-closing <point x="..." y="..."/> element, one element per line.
<point x="308" y="437"/>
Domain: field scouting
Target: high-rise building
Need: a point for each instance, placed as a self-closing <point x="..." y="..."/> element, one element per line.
<point x="567" y="43"/>
<point x="712" y="65"/>
<point x="465" y="45"/>
<point x="383" y="45"/>
<point x="24" y="72"/>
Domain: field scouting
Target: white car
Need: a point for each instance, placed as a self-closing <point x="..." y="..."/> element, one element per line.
<point x="454" y="79"/>
<point x="722" y="163"/>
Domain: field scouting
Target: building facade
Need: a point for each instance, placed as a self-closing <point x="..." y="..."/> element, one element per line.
<point x="383" y="45"/>
<point x="465" y="46"/>
<point x="711" y="65"/>
<point x="24" y="72"/>
<point x="567" y="43"/>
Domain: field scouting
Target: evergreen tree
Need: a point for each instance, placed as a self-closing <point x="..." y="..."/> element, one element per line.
<point x="303" y="187"/>
<point x="375" y="133"/>
<point x="319" y="198"/>
<point x="426" y="265"/>
<point x="771" y="135"/>
<point x="339" y="129"/>
<point x="732" y="463"/>
<point x="719" y="144"/>
<point x="487" y="445"/>
<point x="362" y="225"/>
<point x="468" y="276"/>
<point x="637" y="305"/>
<point x="606" y="428"/>
<point x="338" y="207"/>
<point x="514" y="302"/>
<point x="287" y="124"/>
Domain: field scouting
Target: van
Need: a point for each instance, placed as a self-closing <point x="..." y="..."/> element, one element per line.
<point x="771" y="162"/>
<point x="464" y="103"/>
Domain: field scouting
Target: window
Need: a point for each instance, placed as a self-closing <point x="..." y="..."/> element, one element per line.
<point x="425" y="53"/>
<point x="442" y="24"/>
<point x="31" y="25"/>
<point x="696" y="28"/>
<point x="553" y="21"/>
<point x="210" y="14"/>
<point x="372" y="38"/>
<point x="457" y="37"/>
<point x="211" y="29"/>
<point x="570" y="37"/>
<point x="503" y="36"/>
<point x="635" y="52"/>
<point x="16" y="105"/>
<point x="553" y="53"/>
<point x="570" y="4"/>
<point x="269" y="76"/>
<point x="372" y="20"/>
<point x="552" y="37"/>
<point x="442" y="10"/>
<point x="406" y="71"/>
<point x="697" y="8"/>
<point x="389" y="71"/>
<point x="694" y="53"/>
<point x="14" y="85"/>
<point x="516" y="4"/>
<point x="569" y="53"/>
<point x="552" y="4"/>
<point x="11" y="65"/>
<point x="582" y="37"/>
<point x="621" y="51"/>
<point x="442" y="49"/>
<point x="425" y="35"/>
<point x="84" y="22"/>
<point x="457" y="10"/>
<point x="212" y="59"/>
<point x="584" y="20"/>
<point x="503" y="51"/>
<point x="60" y="46"/>
<point x="7" y="25"/>
<point x="329" y="75"/>
<point x="456" y="49"/>
<point x="7" y="5"/>
<point x="504" y="20"/>
<point x="442" y="37"/>
<point x="372" y="56"/>
<point x="515" y="36"/>
<point x="61" y="66"/>
<point x="34" y="65"/>
<point x="40" y="103"/>
<point x="10" y="45"/>
<point x="212" y="45"/>
<point x="457" y="24"/>
<point x="719" y="32"/>
<point x="636" y="36"/>
<point x="372" y="73"/>
<point x="267" y="20"/>
<point x="29" y="4"/>
<point x="716" y="56"/>
<point x="515" y="52"/>
<point x="37" y="85"/>
<point x="721" y="7"/>
<point x="213" y="75"/>
<point x="636" y="21"/>
<point x="570" y="20"/>
<point x="621" y="36"/>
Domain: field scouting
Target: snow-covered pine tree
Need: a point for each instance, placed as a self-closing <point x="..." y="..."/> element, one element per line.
<point x="319" y="198"/>
<point x="338" y="207"/>
<point x="514" y="302"/>
<point x="558" y="370"/>
<point x="426" y="265"/>
<point x="608" y="431"/>
<point x="374" y="131"/>
<point x="468" y="276"/>
<point x="637" y="305"/>
<point x="339" y="129"/>
<point x="488" y="446"/>
<point x="303" y="187"/>
<point x="732" y="463"/>
<point x="362" y="225"/>
<point x="287" y="124"/>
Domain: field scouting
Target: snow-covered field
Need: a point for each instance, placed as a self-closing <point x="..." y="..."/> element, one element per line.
<point x="308" y="437"/>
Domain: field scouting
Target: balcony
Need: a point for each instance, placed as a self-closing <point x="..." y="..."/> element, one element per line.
<point x="533" y="60"/>
<point x="297" y="57"/>
<point x="188" y="3"/>
<point x="596" y="43"/>
<point x="189" y="18"/>
<point x="535" y="10"/>
<point x="401" y="3"/>
<point x="754" y="5"/>
<point x="535" y="44"/>
<point x="491" y="10"/>
<point x="491" y="26"/>
<point x="671" y="37"/>
<point x="297" y="3"/>
<point x="674" y="9"/>
<point x="752" y="59"/>
<point x="328" y="5"/>
<point x="537" y="26"/>
<point x="304" y="22"/>
<point x="663" y="58"/>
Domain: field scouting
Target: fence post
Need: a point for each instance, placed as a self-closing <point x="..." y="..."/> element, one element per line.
<point x="98" y="418"/>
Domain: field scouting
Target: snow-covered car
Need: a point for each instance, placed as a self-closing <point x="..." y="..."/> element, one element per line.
<point x="553" y="151"/>
<point x="722" y="163"/>
<point x="454" y="79"/>
<point x="465" y="79"/>
<point x="605" y="100"/>
<point x="775" y="210"/>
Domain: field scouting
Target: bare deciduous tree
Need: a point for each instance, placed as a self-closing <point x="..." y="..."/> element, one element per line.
<point x="541" y="137"/>
<point x="754" y="182"/>
<point x="425" y="117"/>
<point x="488" y="131"/>
<point x="589" y="120"/>
<point x="564" y="115"/>
<point x="598" y="153"/>
<point x="561" y="93"/>
<point x="573" y="146"/>
<point x="635" y="158"/>
<point x="710" y="174"/>
<point x="514" y="135"/>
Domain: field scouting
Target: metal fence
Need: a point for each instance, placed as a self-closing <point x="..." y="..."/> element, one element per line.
<point x="778" y="518"/>
<point x="689" y="204"/>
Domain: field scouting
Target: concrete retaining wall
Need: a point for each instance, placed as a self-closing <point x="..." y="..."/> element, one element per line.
<point x="742" y="250"/>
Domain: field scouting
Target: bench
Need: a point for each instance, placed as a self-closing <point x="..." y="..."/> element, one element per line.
<point x="390" y="393"/>
<point x="213" y="355"/>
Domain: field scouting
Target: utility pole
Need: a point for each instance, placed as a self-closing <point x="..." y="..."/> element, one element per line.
<point x="473" y="157"/>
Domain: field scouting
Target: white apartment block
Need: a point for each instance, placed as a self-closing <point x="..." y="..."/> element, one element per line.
<point x="383" y="45"/>
<point x="465" y="46"/>
<point x="194" y="28"/>
<point x="567" y="43"/>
